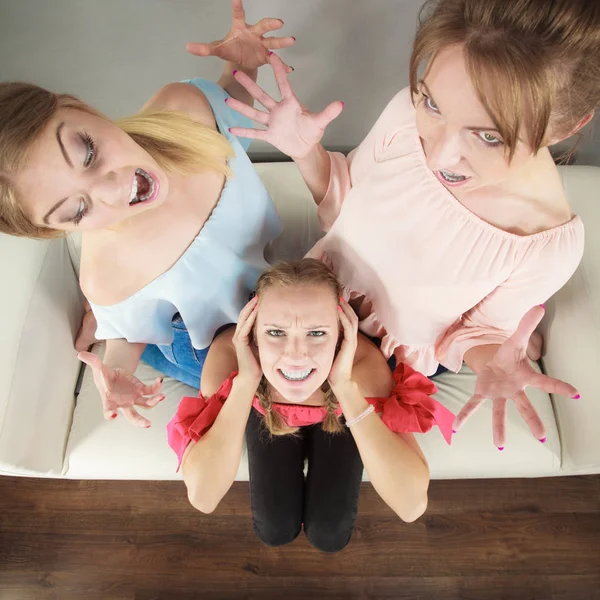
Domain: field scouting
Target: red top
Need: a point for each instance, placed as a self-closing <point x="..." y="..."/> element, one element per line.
<point x="409" y="409"/>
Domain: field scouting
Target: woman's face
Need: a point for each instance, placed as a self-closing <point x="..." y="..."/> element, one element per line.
<point x="296" y="332"/>
<point x="84" y="173"/>
<point x="462" y="146"/>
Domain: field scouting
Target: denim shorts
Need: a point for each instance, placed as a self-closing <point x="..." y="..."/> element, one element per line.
<point x="179" y="359"/>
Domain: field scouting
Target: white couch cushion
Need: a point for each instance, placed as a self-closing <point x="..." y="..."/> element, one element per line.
<point x="572" y="332"/>
<point x="40" y="311"/>
<point x="100" y="449"/>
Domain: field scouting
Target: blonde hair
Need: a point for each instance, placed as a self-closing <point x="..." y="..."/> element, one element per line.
<point x="534" y="64"/>
<point x="307" y="271"/>
<point x="174" y="140"/>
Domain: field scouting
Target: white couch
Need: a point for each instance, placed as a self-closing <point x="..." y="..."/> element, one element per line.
<point x="46" y="431"/>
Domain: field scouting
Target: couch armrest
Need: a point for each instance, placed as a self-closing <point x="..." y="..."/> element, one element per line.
<point x="40" y="312"/>
<point x="571" y="330"/>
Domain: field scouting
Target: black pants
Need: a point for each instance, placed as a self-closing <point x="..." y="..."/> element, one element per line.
<point x="282" y="500"/>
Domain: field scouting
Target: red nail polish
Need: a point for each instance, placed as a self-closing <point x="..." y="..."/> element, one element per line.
<point x="235" y="71"/>
<point x="343" y="104"/>
<point x="543" y="306"/>
<point x="543" y="440"/>
<point x="270" y="53"/>
<point x="577" y="397"/>
<point x="113" y="416"/>
<point x="501" y="448"/>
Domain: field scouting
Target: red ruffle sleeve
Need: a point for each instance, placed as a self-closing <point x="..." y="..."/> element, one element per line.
<point x="194" y="417"/>
<point x="410" y="408"/>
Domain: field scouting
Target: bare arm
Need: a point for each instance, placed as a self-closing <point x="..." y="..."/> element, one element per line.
<point x="121" y="354"/>
<point x="396" y="466"/>
<point x="315" y="168"/>
<point x="210" y="465"/>
<point x="477" y="357"/>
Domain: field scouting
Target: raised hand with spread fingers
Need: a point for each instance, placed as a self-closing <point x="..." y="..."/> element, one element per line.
<point x="507" y="376"/>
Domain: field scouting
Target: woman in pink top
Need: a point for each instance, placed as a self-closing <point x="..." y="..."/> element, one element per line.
<point x="448" y="226"/>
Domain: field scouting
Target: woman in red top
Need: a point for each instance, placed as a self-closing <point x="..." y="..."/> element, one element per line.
<point x="296" y="366"/>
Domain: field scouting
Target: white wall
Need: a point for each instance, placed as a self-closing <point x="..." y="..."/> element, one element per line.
<point x="115" y="53"/>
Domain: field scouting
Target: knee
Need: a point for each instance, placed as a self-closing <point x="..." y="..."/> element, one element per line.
<point x="329" y="536"/>
<point x="277" y="533"/>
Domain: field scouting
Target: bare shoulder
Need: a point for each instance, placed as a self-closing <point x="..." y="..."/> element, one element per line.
<point x="370" y="370"/>
<point x="185" y="98"/>
<point x="97" y="274"/>
<point x="220" y="362"/>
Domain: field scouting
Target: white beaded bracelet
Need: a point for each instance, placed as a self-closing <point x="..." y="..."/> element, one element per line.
<point x="363" y="414"/>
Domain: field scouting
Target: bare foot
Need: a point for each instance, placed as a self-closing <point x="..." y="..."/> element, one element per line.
<point x="534" y="349"/>
<point x="87" y="334"/>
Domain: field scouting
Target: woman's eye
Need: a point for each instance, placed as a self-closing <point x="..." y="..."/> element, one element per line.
<point x="488" y="138"/>
<point x="90" y="146"/>
<point x="80" y="213"/>
<point x="275" y="332"/>
<point x="316" y="333"/>
<point x="430" y="104"/>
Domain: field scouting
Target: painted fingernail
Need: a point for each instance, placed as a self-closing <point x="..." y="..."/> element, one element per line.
<point x="576" y="397"/>
<point x="543" y="440"/>
<point x="113" y="416"/>
<point x="270" y="53"/>
<point x="454" y="431"/>
<point x="339" y="308"/>
<point x="161" y="379"/>
<point x="235" y="71"/>
<point x="500" y="448"/>
<point x="292" y="68"/>
<point x="146" y="426"/>
<point x="343" y="104"/>
<point x="543" y="306"/>
<point x="293" y="38"/>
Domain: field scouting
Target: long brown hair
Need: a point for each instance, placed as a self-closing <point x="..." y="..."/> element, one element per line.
<point x="174" y="140"/>
<point x="535" y="64"/>
<point x="307" y="271"/>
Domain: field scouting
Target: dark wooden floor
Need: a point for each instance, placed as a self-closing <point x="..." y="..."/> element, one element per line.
<point x="480" y="540"/>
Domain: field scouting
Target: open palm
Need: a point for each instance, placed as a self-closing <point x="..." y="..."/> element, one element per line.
<point x="244" y="44"/>
<point x="290" y="126"/>
<point x="506" y="376"/>
<point x="122" y="390"/>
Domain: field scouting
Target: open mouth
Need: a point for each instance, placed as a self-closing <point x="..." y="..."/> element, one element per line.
<point x="144" y="188"/>
<point x="451" y="178"/>
<point x="296" y="376"/>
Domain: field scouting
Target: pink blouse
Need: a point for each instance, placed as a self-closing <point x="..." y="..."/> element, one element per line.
<point x="424" y="273"/>
<point x="409" y="409"/>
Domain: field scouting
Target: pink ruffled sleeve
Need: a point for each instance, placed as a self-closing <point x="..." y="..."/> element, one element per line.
<point x="346" y="172"/>
<point x="194" y="417"/>
<point x="410" y="408"/>
<point x="552" y="258"/>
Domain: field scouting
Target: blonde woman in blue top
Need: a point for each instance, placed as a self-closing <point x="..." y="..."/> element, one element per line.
<point x="174" y="217"/>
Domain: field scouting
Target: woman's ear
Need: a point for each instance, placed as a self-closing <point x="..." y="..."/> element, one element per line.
<point x="580" y="125"/>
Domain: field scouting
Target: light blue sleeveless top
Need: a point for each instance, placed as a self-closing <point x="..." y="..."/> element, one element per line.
<point x="210" y="283"/>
